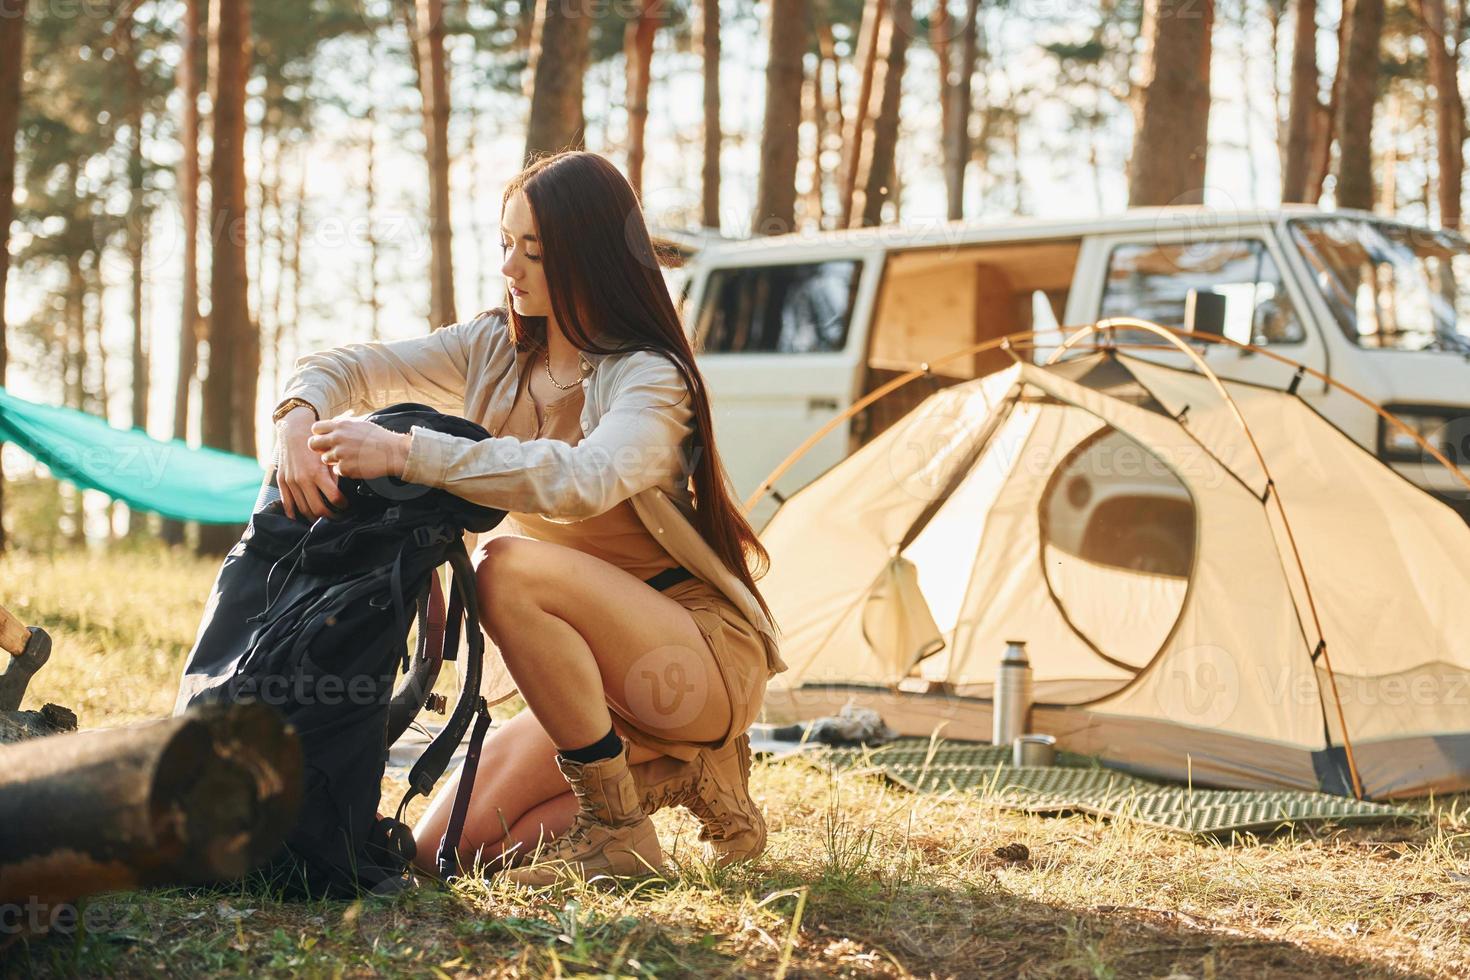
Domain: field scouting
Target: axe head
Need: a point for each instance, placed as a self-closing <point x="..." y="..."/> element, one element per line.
<point x="21" y="668"/>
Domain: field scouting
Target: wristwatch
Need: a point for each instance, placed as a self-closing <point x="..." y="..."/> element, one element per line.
<point x="289" y="404"/>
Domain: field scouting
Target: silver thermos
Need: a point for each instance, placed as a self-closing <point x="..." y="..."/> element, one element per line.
<point x="1012" y="694"/>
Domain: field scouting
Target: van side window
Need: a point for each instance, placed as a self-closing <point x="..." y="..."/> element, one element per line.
<point x="786" y="309"/>
<point x="1152" y="282"/>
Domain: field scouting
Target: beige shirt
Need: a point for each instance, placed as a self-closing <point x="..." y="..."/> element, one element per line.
<point x="616" y="535"/>
<point x="637" y="432"/>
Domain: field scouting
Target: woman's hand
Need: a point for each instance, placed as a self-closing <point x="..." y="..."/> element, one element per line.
<point x="359" y="449"/>
<point x="308" y="486"/>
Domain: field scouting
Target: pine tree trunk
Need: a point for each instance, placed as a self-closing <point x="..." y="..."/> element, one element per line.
<point x="775" y="203"/>
<point x="103" y="408"/>
<point x="876" y="181"/>
<point x="12" y="42"/>
<point x="638" y="56"/>
<point x="813" y="111"/>
<point x="1304" y="104"/>
<point x="428" y="38"/>
<point x="1324" y="131"/>
<point x="832" y="111"/>
<point x="1172" y="104"/>
<point x="560" y="44"/>
<point x="137" y="234"/>
<point x="190" y="87"/>
<point x="957" y="133"/>
<point x="875" y="13"/>
<point x="229" y="318"/>
<point x="1448" y="111"/>
<point x="709" y="46"/>
<point x="1355" y="109"/>
<point x="940" y="32"/>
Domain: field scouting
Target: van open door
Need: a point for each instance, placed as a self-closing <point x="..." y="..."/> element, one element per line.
<point x="936" y="300"/>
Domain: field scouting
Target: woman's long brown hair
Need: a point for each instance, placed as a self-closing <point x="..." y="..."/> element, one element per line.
<point x="602" y="271"/>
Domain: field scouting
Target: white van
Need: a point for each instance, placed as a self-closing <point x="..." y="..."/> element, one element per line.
<point x="793" y="329"/>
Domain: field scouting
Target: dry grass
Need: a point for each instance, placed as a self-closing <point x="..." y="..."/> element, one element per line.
<point x="860" y="878"/>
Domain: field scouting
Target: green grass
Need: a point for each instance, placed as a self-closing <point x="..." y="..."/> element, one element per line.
<point x="860" y="878"/>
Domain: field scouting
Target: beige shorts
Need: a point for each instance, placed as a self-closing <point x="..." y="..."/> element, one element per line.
<point x="739" y="654"/>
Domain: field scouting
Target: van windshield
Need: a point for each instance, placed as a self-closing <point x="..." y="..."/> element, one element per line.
<point x="1390" y="286"/>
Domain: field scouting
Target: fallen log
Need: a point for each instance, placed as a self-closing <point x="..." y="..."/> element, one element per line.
<point x="201" y="797"/>
<point x="52" y="719"/>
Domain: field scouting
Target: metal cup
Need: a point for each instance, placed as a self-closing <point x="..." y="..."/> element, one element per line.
<point x="1030" y="751"/>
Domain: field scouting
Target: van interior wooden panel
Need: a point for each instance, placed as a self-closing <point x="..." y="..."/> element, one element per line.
<point x="936" y="300"/>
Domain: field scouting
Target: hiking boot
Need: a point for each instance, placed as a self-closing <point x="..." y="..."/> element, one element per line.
<point x="715" y="786"/>
<point x="610" y="835"/>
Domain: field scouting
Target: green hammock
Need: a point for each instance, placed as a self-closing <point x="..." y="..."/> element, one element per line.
<point x="168" y="478"/>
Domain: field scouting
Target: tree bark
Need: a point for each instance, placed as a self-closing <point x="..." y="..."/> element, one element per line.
<point x="560" y="46"/>
<point x="201" y="797"/>
<point x="961" y="101"/>
<point x="1354" y="122"/>
<point x="939" y="36"/>
<point x="875" y="13"/>
<point x="190" y="327"/>
<point x="229" y="392"/>
<point x="775" y="203"/>
<point x="1448" y="110"/>
<point x="876" y="178"/>
<point x="638" y="56"/>
<point x="137" y="236"/>
<point x="709" y="45"/>
<point x="12" y="44"/>
<point x="428" y="44"/>
<point x="1305" y="104"/>
<point x="1172" y="104"/>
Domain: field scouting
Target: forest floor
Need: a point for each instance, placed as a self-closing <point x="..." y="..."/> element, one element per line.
<point x="860" y="878"/>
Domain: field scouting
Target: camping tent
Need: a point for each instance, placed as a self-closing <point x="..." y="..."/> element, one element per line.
<point x="1246" y="600"/>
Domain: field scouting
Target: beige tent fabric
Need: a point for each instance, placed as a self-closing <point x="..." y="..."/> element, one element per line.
<point x="1127" y="614"/>
<point x="897" y="624"/>
<point x="820" y="582"/>
<point x="1007" y="596"/>
<point x="1388" y="566"/>
<point x="1222" y="657"/>
<point x="1239" y="627"/>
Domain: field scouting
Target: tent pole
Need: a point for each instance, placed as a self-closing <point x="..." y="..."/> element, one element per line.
<point x="1111" y="324"/>
<point x="1087" y="329"/>
<point x="923" y="369"/>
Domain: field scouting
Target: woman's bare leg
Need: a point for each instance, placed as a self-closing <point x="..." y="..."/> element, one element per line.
<point x="578" y="633"/>
<point x="517" y="773"/>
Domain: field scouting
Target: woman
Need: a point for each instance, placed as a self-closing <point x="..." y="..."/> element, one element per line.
<point x="624" y="607"/>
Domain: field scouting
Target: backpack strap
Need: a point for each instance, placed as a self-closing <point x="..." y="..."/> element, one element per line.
<point x="447" y="857"/>
<point x="435" y="759"/>
<point x="413" y="690"/>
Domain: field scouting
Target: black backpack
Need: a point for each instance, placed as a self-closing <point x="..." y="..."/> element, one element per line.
<point x="312" y="618"/>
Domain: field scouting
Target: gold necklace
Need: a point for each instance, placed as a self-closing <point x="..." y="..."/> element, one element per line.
<point x="553" y="377"/>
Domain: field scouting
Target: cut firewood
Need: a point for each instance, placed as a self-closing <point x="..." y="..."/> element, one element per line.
<point x="202" y="797"/>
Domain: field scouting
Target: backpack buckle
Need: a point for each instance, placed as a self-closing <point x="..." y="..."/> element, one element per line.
<point x="426" y="536"/>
